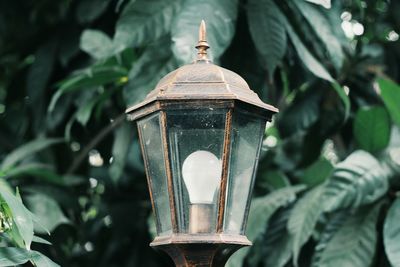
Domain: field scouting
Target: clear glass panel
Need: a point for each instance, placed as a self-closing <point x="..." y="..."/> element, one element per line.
<point x="151" y="139"/>
<point x="246" y="137"/>
<point x="196" y="139"/>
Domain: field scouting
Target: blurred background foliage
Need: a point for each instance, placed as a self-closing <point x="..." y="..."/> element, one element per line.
<point x="327" y="189"/>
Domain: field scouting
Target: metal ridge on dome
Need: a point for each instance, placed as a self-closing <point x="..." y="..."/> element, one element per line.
<point x="203" y="80"/>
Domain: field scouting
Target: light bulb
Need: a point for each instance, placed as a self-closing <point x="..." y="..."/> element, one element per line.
<point x="201" y="173"/>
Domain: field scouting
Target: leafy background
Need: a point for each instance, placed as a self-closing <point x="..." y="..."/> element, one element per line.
<point x="327" y="189"/>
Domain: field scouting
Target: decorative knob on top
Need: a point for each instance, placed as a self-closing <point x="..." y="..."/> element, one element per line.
<point x="202" y="45"/>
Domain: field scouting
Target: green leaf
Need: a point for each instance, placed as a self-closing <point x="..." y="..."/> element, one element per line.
<point x="40" y="240"/>
<point x="390" y="93"/>
<point x="21" y="216"/>
<point x="309" y="61"/>
<point x="261" y="210"/>
<point x="122" y="140"/>
<point x="266" y="24"/>
<point x="10" y="256"/>
<point x="144" y="21"/>
<point x="220" y="17"/>
<point x="96" y="43"/>
<point x="303" y="218"/>
<point x="324" y="3"/>
<point x="41" y="260"/>
<point x="371" y="128"/>
<point x="334" y="223"/>
<point x="89" y="10"/>
<point x="322" y="28"/>
<point x="344" y="97"/>
<point x="47" y="211"/>
<point x="391" y="233"/>
<point x="39" y="170"/>
<point x="153" y="64"/>
<point x="26" y="150"/>
<point x="358" y="180"/>
<point x="317" y="173"/>
<point x="273" y="180"/>
<point x="277" y="241"/>
<point x="354" y="244"/>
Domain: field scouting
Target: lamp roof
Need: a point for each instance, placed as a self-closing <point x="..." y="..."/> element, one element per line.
<point x="203" y="80"/>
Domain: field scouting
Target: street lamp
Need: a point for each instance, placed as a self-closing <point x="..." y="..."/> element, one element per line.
<point x="200" y="131"/>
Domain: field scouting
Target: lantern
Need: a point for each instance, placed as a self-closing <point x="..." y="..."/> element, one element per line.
<point x="201" y="131"/>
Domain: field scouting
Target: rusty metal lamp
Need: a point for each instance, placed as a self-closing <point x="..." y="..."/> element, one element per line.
<point x="200" y="131"/>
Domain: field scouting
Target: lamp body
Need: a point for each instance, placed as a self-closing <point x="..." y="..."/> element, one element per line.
<point x="200" y="132"/>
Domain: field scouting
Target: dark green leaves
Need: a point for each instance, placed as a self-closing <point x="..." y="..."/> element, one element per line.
<point x="144" y="21"/>
<point x="354" y="243"/>
<point x="220" y="17"/>
<point x="358" y="180"/>
<point x="391" y="233"/>
<point x="390" y="93"/>
<point x="372" y="128"/>
<point x="267" y="28"/>
<point x="96" y="43"/>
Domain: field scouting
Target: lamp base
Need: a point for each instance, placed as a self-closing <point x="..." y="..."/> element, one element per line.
<point x="188" y="250"/>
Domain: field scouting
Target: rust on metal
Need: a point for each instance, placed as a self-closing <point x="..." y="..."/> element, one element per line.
<point x="168" y="171"/>
<point x="225" y="171"/>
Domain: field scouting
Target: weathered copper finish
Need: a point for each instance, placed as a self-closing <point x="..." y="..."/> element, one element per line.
<point x="204" y="86"/>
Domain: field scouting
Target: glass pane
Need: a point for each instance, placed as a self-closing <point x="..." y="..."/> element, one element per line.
<point x="151" y="134"/>
<point x="196" y="140"/>
<point x="246" y="137"/>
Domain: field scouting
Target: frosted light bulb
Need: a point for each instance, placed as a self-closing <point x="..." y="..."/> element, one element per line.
<point x="201" y="172"/>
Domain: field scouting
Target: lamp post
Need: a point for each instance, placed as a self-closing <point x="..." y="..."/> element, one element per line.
<point x="200" y="131"/>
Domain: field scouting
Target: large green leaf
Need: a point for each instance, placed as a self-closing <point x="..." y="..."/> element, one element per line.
<point x="26" y="150"/>
<point x="354" y="244"/>
<point x="47" y="211"/>
<point x="10" y="256"/>
<point x="220" y="18"/>
<point x="317" y="173"/>
<point x="261" y="210"/>
<point x="144" y="21"/>
<point x="278" y="242"/>
<point x="96" y="43"/>
<point x="303" y="219"/>
<point x="309" y="61"/>
<point x="371" y="128"/>
<point x="390" y="93"/>
<point x="41" y="260"/>
<point x="324" y="3"/>
<point x="334" y="223"/>
<point x="358" y="180"/>
<point x="20" y="215"/>
<point x="391" y="233"/>
<point x="152" y="65"/>
<point x="323" y="30"/>
<point x="266" y="23"/>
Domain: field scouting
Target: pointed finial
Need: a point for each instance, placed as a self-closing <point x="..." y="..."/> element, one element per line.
<point x="202" y="45"/>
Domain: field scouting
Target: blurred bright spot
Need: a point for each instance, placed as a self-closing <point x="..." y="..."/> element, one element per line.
<point x="93" y="182"/>
<point x="346" y="16"/>
<point x="358" y="28"/>
<point x="2" y="108"/>
<point x="348" y="29"/>
<point x="346" y="89"/>
<point x="75" y="146"/>
<point x="393" y="36"/>
<point x="123" y="79"/>
<point x="88" y="246"/>
<point x="107" y="220"/>
<point x="95" y="158"/>
<point x="111" y="160"/>
<point x="329" y="152"/>
<point x="395" y="155"/>
<point x="270" y="141"/>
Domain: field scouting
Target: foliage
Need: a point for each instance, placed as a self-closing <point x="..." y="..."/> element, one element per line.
<point x="327" y="188"/>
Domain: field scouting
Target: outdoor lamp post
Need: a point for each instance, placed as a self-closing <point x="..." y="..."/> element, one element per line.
<point x="200" y="131"/>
